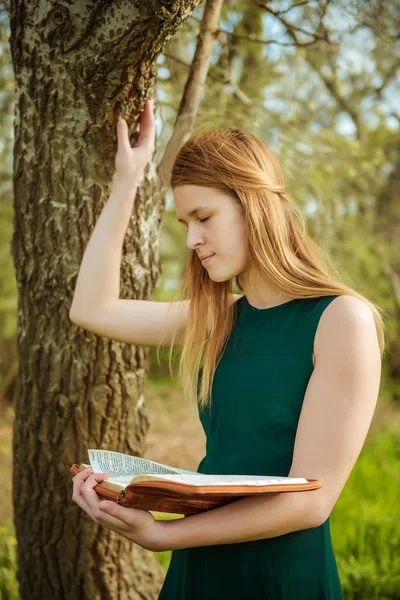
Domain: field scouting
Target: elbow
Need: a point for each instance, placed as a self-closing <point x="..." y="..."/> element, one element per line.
<point x="313" y="519"/>
<point x="75" y="317"/>
<point x="314" y="509"/>
<point x="321" y="512"/>
<point x="320" y="518"/>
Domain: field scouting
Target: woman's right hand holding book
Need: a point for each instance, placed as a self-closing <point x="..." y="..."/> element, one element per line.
<point x="138" y="526"/>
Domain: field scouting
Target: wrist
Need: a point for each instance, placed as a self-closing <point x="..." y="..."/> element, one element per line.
<point x="162" y="541"/>
<point x="158" y="542"/>
<point x="125" y="183"/>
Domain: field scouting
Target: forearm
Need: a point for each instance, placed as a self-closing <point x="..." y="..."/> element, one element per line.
<point x="249" y="519"/>
<point x="98" y="280"/>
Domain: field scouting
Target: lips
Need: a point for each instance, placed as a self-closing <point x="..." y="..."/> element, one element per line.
<point x="207" y="259"/>
<point x="208" y="256"/>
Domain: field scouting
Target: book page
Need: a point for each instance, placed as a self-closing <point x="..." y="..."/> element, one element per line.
<point x="122" y="465"/>
<point x="200" y="479"/>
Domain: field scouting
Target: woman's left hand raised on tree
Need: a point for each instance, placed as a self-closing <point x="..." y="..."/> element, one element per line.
<point x="138" y="526"/>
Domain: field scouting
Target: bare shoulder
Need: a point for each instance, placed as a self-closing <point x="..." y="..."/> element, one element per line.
<point x="346" y="322"/>
<point x="347" y="310"/>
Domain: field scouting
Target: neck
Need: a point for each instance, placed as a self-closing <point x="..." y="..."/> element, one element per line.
<point x="260" y="293"/>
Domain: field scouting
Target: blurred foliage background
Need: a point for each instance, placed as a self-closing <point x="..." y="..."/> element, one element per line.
<point x="318" y="82"/>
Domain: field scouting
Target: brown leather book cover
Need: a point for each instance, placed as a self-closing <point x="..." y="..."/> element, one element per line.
<point x="182" y="498"/>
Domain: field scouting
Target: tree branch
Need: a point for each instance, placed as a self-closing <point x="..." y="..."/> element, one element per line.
<point x="295" y="5"/>
<point x="194" y="89"/>
<point x="289" y="26"/>
<point x="329" y="82"/>
<point x="250" y="38"/>
<point x="5" y="7"/>
<point x="238" y="92"/>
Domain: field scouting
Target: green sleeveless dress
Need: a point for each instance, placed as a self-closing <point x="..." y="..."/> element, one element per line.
<point x="257" y="395"/>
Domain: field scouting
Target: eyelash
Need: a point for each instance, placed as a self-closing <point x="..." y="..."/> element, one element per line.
<point x="201" y="221"/>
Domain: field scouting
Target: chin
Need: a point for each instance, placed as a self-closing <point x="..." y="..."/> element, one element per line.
<point x="220" y="277"/>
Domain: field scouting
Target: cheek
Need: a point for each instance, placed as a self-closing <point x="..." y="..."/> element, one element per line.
<point x="235" y="240"/>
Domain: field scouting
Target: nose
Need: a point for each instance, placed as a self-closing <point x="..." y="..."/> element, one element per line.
<point x="194" y="237"/>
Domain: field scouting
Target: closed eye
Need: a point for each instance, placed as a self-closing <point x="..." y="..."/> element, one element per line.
<point x="201" y="221"/>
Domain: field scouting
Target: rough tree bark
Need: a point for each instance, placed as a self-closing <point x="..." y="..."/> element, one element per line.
<point x="387" y="228"/>
<point x="78" y="67"/>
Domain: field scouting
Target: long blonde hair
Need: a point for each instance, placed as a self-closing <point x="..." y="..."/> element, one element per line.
<point x="280" y="248"/>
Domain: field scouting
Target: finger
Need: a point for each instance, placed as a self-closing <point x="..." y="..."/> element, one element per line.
<point x="88" y="500"/>
<point x="122" y="513"/>
<point x="86" y="492"/>
<point x="80" y="501"/>
<point x="86" y="497"/>
<point x="80" y="479"/>
<point x="87" y="487"/>
<point x="112" y="515"/>
<point x="76" y="494"/>
<point x="102" y="518"/>
<point x="82" y="475"/>
<point x="98" y="516"/>
<point x="147" y="127"/>
<point x="123" y="135"/>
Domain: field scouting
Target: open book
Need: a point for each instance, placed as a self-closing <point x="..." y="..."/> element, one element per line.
<point x="140" y="483"/>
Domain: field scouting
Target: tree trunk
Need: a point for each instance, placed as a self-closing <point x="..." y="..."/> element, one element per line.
<point x="387" y="228"/>
<point x="77" y="66"/>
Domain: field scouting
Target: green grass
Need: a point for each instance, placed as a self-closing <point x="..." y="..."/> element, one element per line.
<point x="9" y="589"/>
<point x="365" y="522"/>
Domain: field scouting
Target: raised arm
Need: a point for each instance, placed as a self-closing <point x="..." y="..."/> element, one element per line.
<point x="99" y="275"/>
<point x="96" y="305"/>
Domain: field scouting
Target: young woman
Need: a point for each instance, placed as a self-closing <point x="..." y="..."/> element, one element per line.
<point x="286" y="376"/>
